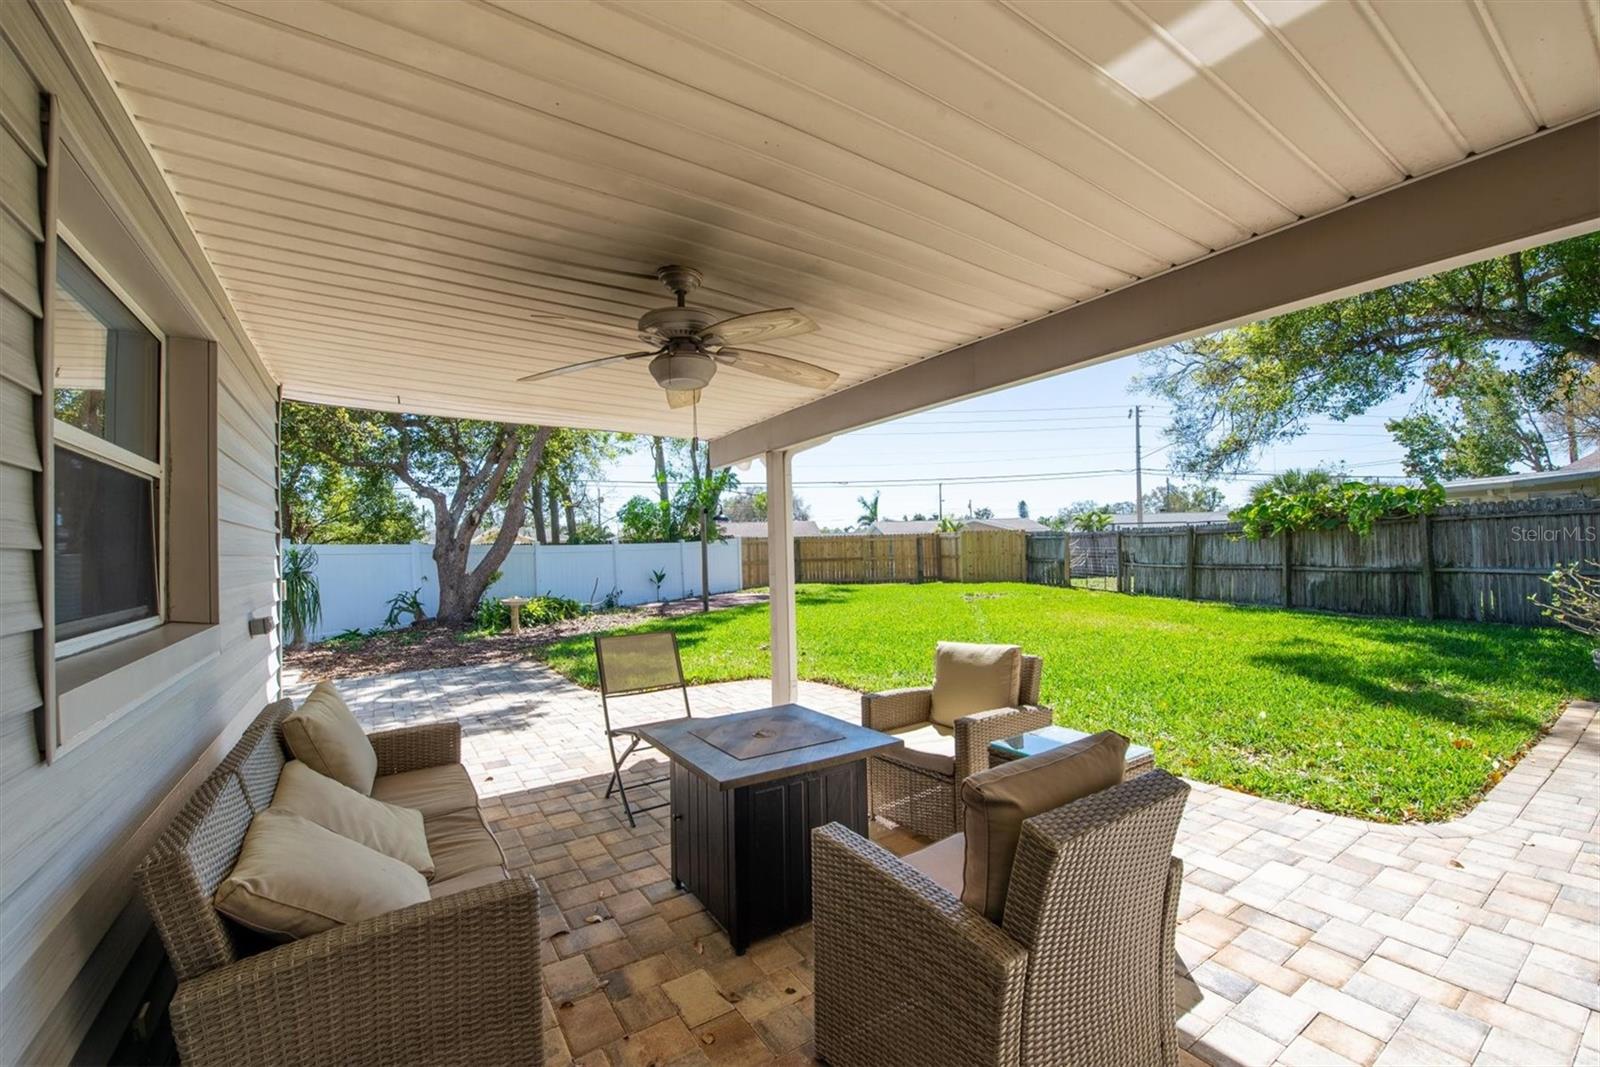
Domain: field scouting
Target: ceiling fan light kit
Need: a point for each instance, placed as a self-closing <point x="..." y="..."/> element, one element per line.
<point x="691" y="342"/>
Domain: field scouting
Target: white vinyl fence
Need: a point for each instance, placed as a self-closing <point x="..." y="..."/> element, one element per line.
<point x="357" y="580"/>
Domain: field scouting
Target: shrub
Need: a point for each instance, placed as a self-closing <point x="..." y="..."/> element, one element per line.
<point x="493" y="616"/>
<point x="405" y="602"/>
<point x="1328" y="507"/>
<point x="1574" y="598"/>
<point x="302" y="599"/>
<point x="347" y="640"/>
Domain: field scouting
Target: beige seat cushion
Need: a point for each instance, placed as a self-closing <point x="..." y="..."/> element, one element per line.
<point x="430" y="790"/>
<point x="999" y="799"/>
<point x="463" y="882"/>
<point x="929" y="747"/>
<point x="942" y="862"/>
<point x="324" y="735"/>
<point x="460" y="842"/>
<point x="386" y="828"/>
<point x="972" y="678"/>
<point x="295" y="878"/>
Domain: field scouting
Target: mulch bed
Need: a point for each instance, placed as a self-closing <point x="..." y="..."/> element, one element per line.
<point x="430" y="646"/>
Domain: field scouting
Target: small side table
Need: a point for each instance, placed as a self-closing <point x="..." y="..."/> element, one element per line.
<point x="1140" y="758"/>
<point x="515" y="604"/>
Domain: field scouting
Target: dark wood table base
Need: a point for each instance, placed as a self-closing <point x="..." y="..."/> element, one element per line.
<point x="747" y="790"/>
<point x="746" y="852"/>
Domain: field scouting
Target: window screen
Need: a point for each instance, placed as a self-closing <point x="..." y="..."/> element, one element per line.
<point x="105" y="546"/>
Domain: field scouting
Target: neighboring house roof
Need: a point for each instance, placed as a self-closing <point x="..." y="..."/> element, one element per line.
<point x="1170" y="518"/>
<point x="904" y="526"/>
<point x="487" y="536"/>
<point x="1578" y="475"/>
<point x="1008" y="523"/>
<point x="802" y="528"/>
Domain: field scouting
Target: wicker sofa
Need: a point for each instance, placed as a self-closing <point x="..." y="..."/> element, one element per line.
<point x="1079" y="972"/>
<point x="918" y="787"/>
<point x="455" y="980"/>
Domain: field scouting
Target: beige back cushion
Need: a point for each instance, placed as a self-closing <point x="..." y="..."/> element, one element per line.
<point x="295" y="878"/>
<point x="386" y="828"/>
<point x="999" y="799"/>
<point x="971" y="678"/>
<point x="324" y="735"/>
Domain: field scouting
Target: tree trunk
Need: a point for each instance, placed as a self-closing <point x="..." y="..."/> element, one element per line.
<point x="658" y="452"/>
<point x="553" y="499"/>
<point x="572" y="520"/>
<point x="536" y="505"/>
<point x="461" y="588"/>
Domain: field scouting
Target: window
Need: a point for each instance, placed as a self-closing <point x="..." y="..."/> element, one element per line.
<point x="108" y="485"/>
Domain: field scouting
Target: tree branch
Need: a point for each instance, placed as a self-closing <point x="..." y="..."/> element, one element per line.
<point x="515" y="509"/>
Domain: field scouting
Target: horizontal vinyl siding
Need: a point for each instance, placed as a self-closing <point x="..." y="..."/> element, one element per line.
<point x="21" y="225"/>
<point x="74" y="830"/>
<point x="99" y="796"/>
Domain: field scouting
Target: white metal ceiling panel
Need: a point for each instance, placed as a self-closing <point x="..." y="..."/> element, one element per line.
<point x="414" y="204"/>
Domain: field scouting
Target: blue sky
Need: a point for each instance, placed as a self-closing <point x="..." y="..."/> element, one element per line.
<point x="1051" y="442"/>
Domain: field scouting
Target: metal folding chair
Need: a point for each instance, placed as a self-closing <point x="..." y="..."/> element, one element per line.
<point x="631" y="665"/>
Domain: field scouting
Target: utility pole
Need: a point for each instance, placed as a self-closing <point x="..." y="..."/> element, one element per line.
<point x="1138" y="470"/>
<point x="941" y="501"/>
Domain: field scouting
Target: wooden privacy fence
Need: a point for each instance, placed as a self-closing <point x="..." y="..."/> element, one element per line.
<point x="1479" y="562"/>
<point x="965" y="556"/>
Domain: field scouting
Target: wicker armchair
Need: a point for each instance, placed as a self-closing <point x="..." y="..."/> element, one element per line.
<point x="923" y="794"/>
<point x="1080" y="972"/>
<point x="455" y="980"/>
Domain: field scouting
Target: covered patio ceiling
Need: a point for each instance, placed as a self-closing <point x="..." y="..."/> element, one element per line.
<point x="411" y="205"/>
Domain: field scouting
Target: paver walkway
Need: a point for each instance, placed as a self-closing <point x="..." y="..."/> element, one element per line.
<point x="1305" y="938"/>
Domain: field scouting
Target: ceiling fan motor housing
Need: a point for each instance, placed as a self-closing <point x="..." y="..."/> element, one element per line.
<point x="683" y="369"/>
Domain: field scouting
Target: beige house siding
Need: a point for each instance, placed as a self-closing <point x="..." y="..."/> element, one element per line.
<point x="72" y="830"/>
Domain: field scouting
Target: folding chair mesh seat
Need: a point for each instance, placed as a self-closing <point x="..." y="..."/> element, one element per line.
<point x="630" y="665"/>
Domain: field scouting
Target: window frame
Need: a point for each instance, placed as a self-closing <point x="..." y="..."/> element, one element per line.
<point x="80" y="441"/>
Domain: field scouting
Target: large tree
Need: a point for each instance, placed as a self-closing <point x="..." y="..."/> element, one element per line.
<point x="1494" y="419"/>
<point x="329" y="503"/>
<point x="1183" y="498"/>
<point x="750" y="505"/>
<point x="466" y="471"/>
<point x="1534" y="315"/>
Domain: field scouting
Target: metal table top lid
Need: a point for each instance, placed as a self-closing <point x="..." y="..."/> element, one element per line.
<point x="765" y="743"/>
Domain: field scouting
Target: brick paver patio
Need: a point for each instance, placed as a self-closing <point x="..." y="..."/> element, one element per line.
<point x="1305" y="938"/>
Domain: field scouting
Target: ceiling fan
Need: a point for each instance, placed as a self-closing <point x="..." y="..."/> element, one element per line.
<point x="690" y="343"/>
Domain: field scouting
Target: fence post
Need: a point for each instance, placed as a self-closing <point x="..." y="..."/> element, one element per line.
<point x="919" y="560"/>
<point x="1122" y="569"/>
<point x="1288" y="590"/>
<point x="1066" y="559"/>
<point x="1188" y="566"/>
<point x="1425" y="532"/>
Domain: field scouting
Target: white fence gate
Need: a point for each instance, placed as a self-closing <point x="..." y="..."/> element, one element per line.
<point x="357" y="580"/>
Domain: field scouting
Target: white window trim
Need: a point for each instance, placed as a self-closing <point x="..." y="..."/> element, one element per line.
<point x="71" y="646"/>
<point x="98" y="448"/>
<point x="77" y="440"/>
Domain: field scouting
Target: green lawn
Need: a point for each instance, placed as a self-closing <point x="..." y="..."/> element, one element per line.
<point x="1382" y="718"/>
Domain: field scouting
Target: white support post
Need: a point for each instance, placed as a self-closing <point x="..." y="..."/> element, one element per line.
<point x="780" y="576"/>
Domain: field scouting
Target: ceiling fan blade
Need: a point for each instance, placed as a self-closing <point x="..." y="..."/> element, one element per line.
<point x="585" y="365"/>
<point x="782" y="368"/>
<point x="760" y="326"/>
<point x="682" y="398"/>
